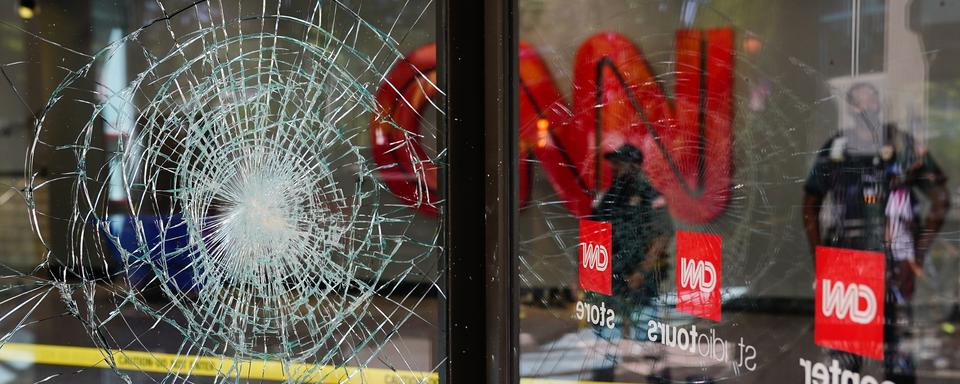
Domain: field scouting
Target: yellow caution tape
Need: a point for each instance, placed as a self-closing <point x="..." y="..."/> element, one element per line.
<point x="206" y="366"/>
<point x="192" y="365"/>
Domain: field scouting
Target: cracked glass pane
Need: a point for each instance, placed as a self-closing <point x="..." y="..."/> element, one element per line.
<point x="219" y="191"/>
<point x="740" y="192"/>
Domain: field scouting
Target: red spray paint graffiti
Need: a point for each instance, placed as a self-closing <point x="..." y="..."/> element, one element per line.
<point x="617" y="99"/>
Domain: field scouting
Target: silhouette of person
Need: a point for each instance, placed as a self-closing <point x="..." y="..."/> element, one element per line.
<point x="641" y="234"/>
<point x="871" y="172"/>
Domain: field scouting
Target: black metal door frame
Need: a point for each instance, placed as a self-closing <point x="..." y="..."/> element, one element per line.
<point x="477" y="57"/>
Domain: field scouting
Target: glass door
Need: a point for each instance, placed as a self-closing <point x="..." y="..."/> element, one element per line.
<point x="213" y="191"/>
<point x="727" y="191"/>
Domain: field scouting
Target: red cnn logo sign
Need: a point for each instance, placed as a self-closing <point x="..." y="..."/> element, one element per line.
<point x="699" y="267"/>
<point x="849" y="301"/>
<point x="596" y="257"/>
<point x="617" y="98"/>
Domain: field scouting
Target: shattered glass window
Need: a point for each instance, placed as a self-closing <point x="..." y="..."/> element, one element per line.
<point x="749" y="192"/>
<point x="219" y="191"/>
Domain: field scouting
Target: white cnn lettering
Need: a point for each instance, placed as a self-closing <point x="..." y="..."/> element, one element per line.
<point x="595" y="257"/>
<point x="698" y="273"/>
<point x="839" y="301"/>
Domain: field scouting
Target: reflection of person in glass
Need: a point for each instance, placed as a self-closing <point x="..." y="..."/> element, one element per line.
<point x="641" y="233"/>
<point x="872" y="173"/>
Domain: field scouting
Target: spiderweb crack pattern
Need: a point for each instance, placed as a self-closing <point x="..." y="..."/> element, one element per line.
<point x="249" y="203"/>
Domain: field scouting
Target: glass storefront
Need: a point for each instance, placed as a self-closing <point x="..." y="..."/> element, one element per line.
<point x="691" y="191"/>
<point x="207" y="191"/>
<point x="739" y="191"/>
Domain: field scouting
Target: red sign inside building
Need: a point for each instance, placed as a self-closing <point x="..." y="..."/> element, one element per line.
<point x="699" y="268"/>
<point x="596" y="256"/>
<point x="849" y="301"/>
<point x="617" y="99"/>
